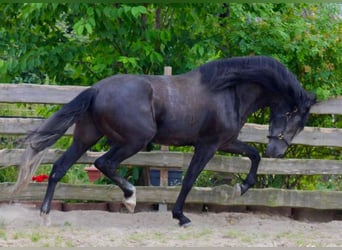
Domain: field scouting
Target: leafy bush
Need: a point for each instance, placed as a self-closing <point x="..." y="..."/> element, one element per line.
<point x="8" y="174"/>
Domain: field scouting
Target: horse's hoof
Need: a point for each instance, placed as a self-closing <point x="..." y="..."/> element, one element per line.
<point x="131" y="202"/>
<point x="184" y="222"/>
<point x="236" y="191"/>
<point x="185" y="225"/>
<point x="46" y="221"/>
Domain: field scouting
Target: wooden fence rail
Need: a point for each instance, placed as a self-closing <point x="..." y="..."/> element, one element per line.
<point x="331" y="137"/>
<point x="180" y="160"/>
<point x="312" y="136"/>
<point x="57" y="94"/>
<point x="220" y="195"/>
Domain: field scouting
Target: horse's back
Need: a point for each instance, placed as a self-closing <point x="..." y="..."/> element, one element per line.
<point x="177" y="108"/>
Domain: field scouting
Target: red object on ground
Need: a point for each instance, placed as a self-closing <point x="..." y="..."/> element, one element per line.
<point x="40" y="178"/>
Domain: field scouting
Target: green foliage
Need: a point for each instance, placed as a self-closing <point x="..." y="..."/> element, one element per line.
<point x="307" y="38"/>
<point x="82" y="43"/>
<point x="301" y="182"/>
<point x="76" y="175"/>
<point x="8" y="174"/>
<point x="132" y="174"/>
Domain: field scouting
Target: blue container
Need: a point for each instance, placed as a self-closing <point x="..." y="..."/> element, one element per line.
<point x="174" y="177"/>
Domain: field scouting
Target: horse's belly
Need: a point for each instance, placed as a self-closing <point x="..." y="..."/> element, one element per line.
<point x="173" y="137"/>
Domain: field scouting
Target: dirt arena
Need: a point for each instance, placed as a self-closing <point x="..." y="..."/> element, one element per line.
<point x="21" y="225"/>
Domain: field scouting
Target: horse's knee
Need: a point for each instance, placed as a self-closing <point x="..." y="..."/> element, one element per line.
<point x="254" y="157"/>
<point x="100" y="163"/>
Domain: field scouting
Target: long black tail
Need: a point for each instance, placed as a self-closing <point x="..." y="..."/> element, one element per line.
<point x="48" y="133"/>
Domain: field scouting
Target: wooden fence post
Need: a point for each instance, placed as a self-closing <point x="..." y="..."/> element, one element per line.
<point x="164" y="174"/>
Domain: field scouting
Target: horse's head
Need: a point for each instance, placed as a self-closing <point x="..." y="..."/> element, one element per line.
<point x="286" y="122"/>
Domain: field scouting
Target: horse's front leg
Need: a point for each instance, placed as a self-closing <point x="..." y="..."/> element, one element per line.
<point x="238" y="147"/>
<point x="203" y="153"/>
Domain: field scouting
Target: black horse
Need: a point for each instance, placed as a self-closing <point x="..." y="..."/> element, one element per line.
<point x="205" y="108"/>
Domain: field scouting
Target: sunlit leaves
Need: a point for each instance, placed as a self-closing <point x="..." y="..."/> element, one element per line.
<point x="80" y="43"/>
<point x="130" y="63"/>
<point x="300" y="35"/>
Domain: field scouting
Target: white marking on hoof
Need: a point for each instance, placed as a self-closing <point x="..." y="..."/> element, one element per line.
<point x="186" y="225"/>
<point x="46" y="221"/>
<point x="131" y="202"/>
<point x="236" y="191"/>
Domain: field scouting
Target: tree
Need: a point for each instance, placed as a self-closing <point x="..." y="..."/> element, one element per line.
<point x="83" y="43"/>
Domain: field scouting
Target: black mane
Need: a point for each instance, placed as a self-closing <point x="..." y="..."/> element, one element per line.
<point x="265" y="71"/>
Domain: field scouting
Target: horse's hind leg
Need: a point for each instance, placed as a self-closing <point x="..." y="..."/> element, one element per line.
<point x="238" y="147"/>
<point x="108" y="163"/>
<point x="84" y="137"/>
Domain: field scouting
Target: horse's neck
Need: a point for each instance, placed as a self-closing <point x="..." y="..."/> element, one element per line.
<point x="250" y="98"/>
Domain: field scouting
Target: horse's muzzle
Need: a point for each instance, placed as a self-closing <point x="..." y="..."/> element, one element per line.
<point x="274" y="152"/>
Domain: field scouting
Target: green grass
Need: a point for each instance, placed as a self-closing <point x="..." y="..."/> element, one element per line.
<point x="195" y="235"/>
<point x="36" y="236"/>
<point x="19" y="235"/>
<point x="67" y="224"/>
<point x="3" y="234"/>
<point x="3" y="230"/>
<point x="246" y="238"/>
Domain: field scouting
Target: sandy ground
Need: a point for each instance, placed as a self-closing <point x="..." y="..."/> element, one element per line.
<point x="22" y="226"/>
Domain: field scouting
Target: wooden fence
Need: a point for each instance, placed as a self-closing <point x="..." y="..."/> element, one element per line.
<point x="220" y="195"/>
